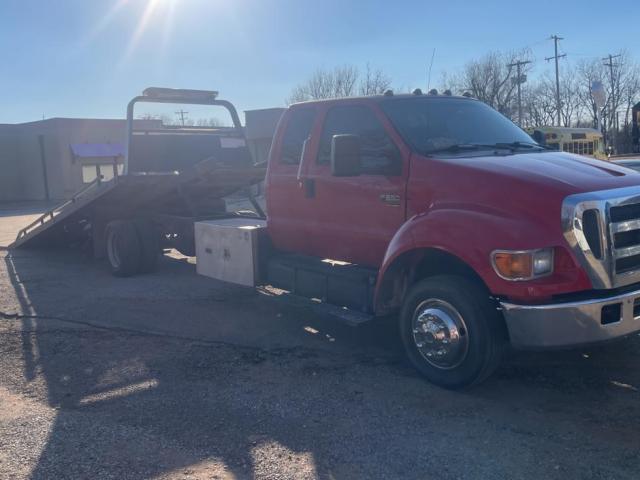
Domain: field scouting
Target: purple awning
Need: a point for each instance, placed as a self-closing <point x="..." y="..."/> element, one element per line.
<point x="97" y="150"/>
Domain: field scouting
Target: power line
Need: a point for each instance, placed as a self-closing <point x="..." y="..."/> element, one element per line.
<point x="534" y="44"/>
<point x="555" y="39"/>
<point x="520" y="79"/>
<point x="576" y="54"/>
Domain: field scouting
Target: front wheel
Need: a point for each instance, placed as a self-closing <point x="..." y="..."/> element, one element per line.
<point x="452" y="331"/>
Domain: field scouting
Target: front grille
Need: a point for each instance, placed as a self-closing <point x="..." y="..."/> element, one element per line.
<point x="591" y="228"/>
<point x="603" y="230"/>
<point x="625" y="235"/>
<point x="627" y="264"/>
<point x="625" y="212"/>
<point x="636" y="308"/>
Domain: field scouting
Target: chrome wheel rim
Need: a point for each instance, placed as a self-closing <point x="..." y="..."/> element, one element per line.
<point x="440" y="334"/>
<point x="112" y="250"/>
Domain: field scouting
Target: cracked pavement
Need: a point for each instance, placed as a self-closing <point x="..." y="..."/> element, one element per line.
<point x="171" y="375"/>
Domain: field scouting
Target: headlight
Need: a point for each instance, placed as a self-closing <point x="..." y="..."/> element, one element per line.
<point x="522" y="264"/>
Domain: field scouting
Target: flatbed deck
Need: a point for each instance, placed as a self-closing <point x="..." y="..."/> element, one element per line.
<point x="194" y="193"/>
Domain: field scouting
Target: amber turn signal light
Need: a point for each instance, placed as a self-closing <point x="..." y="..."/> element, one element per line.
<point x="523" y="264"/>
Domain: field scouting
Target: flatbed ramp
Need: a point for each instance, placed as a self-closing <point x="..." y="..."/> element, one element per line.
<point x="48" y="221"/>
<point x="197" y="192"/>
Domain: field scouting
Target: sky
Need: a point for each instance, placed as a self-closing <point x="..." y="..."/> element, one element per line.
<point x="88" y="58"/>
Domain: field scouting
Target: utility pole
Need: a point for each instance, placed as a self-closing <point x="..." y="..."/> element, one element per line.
<point x="181" y="113"/>
<point x="555" y="39"/>
<point x="520" y="79"/>
<point x="608" y="62"/>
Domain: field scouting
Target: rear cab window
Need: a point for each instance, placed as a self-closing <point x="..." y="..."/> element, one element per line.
<point x="297" y="130"/>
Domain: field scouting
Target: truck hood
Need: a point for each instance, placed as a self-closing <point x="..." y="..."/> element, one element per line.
<point x="563" y="173"/>
<point x="525" y="186"/>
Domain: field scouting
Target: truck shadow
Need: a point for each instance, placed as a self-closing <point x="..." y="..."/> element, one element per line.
<point x="148" y="390"/>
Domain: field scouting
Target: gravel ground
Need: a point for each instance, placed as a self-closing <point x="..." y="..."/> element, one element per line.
<point x="15" y="216"/>
<point x="174" y="376"/>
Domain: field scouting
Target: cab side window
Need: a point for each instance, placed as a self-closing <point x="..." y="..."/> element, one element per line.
<point x="298" y="129"/>
<point x="379" y="155"/>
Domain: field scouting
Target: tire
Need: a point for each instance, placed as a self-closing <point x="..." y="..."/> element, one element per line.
<point x="452" y="332"/>
<point x="123" y="248"/>
<point x="149" y="245"/>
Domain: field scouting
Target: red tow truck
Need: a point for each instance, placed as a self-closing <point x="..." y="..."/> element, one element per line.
<point x="439" y="213"/>
<point x="474" y="236"/>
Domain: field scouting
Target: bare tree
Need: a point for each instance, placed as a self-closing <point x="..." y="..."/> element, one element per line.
<point x="570" y="103"/>
<point x="629" y="96"/>
<point x="587" y="73"/>
<point x="539" y="106"/>
<point x="622" y="93"/>
<point x="209" y="122"/>
<point x="492" y="79"/>
<point x="342" y="81"/>
<point x="345" y="80"/>
<point x="165" y="119"/>
<point x="452" y="82"/>
<point x="374" y="82"/>
<point x="621" y="82"/>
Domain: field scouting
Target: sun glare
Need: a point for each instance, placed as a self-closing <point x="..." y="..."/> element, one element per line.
<point x="142" y="24"/>
<point x="152" y="11"/>
<point x="149" y="10"/>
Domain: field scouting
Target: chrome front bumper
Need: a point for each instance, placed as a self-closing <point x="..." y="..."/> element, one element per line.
<point x="572" y="323"/>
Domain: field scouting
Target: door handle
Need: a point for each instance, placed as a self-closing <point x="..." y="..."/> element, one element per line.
<point x="309" y="186"/>
<point x="391" y="199"/>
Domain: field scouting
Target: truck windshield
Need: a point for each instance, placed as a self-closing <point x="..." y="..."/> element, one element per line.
<point x="453" y="125"/>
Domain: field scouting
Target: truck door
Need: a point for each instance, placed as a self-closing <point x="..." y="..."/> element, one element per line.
<point x="287" y="208"/>
<point x="354" y="218"/>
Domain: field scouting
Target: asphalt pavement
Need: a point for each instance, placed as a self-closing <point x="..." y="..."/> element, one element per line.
<point x="172" y="375"/>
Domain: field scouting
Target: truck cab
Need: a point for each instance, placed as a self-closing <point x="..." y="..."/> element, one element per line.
<point x="438" y="211"/>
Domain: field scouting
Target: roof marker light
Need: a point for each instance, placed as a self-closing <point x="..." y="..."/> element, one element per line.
<point x="179" y="93"/>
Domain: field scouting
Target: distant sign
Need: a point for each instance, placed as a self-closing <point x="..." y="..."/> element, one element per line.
<point x="598" y="94"/>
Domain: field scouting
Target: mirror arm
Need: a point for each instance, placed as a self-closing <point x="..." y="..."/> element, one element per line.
<point x="303" y="154"/>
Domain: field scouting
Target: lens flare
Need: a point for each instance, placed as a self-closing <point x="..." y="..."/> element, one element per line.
<point x="165" y="9"/>
<point x="142" y="25"/>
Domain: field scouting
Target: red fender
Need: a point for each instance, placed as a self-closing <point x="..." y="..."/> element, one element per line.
<point x="471" y="235"/>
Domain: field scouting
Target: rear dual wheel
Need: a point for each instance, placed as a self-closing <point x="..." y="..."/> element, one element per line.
<point x="132" y="247"/>
<point x="452" y="331"/>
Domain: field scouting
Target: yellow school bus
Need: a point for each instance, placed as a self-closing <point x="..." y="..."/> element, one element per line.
<point x="582" y="141"/>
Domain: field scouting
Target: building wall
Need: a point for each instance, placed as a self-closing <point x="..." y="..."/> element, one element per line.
<point x="64" y="172"/>
<point x="31" y="169"/>
<point x="10" y="174"/>
<point x="22" y="173"/>
<point x="21" y="164"/>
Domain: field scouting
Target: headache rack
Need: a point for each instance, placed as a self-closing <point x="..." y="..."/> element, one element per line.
<point x="171" y="176"/>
